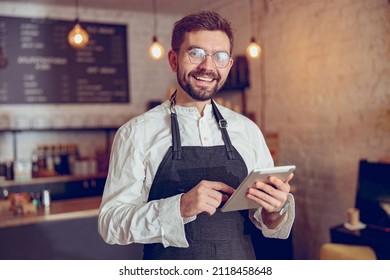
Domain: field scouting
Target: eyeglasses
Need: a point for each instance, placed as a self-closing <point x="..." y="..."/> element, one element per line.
<point x="197" y="56"/>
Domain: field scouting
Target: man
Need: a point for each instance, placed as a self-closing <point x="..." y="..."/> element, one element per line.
<point x="173" y="166"/>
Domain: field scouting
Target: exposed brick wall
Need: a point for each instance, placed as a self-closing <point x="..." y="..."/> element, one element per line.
<point x="327" y="87"/>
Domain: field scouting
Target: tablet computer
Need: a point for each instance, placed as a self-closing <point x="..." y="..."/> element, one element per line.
<point x="239" y="201"/>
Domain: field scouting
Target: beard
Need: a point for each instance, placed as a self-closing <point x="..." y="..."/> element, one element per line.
<point x="199" y="93"/>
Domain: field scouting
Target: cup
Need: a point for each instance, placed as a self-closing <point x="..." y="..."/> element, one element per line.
<point x="353" y="216"/>
<point x="22" y="169"/>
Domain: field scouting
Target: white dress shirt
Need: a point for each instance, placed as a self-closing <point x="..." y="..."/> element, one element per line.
<point x="138" y="148"/>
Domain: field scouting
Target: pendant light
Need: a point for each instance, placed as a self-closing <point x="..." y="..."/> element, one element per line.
<point x="156" y="50"/>
<point x="78" y="37"/>
<point x="253" y="50"/>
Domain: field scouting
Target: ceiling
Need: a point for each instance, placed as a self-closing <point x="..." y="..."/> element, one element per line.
<point x="163" y="6"/>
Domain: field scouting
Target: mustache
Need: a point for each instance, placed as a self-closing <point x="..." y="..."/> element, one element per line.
<point x="209" y="74"/>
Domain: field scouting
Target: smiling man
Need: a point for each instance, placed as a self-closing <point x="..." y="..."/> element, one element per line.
<point x="172" y="167"/>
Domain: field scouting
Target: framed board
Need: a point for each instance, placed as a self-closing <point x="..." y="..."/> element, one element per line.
<point x="37" y="65"/>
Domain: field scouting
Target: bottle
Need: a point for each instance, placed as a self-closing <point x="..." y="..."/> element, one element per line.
<point x="46" y="199"/>
<point x="41" y="161"/>
<point x="34" y="162"/>
<point x="49" y="161"/>
<point x="73" y="157"/>
<point x="57" y="159"/>
<point x="65" y="167"/>
<point x="35" y="199"/>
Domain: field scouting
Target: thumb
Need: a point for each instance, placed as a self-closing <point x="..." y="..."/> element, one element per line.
<point x="289" y="178"/>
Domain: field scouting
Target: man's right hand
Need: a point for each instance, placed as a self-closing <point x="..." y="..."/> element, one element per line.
<point x="204" y="197"/>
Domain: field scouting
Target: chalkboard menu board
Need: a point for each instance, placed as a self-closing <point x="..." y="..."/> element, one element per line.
<point x="37" y="65"/>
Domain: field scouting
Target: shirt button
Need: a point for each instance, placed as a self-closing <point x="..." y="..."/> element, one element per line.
<point x="205" y="138"/>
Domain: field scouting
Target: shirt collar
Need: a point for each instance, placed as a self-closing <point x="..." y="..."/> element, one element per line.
<point x="191" y="111"/>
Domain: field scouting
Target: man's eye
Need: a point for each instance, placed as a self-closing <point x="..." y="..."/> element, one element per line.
<point x="196" y="53"/>
<point x="221" y="56"/>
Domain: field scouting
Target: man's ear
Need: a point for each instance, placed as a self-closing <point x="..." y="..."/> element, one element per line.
<point x="173" y="60"/>
<point x="231" y="62"/>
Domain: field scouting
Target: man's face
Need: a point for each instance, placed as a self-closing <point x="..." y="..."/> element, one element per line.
<point x="202" y="80"/>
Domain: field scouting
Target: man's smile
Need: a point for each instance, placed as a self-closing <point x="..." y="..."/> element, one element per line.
<point x="205" y="79"/>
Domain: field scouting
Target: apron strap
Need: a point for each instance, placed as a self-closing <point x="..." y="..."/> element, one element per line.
<point x="176" y="143"/>
<point x="222" y="123"/>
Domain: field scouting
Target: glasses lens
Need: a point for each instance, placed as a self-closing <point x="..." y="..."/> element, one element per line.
<point x="221" y="59"/>
<point x="196" y="55"/>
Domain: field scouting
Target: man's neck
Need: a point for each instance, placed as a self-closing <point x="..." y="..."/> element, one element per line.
<point x="183" y="99"/>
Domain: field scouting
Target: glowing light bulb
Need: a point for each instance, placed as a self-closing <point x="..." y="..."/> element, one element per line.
<point x="78" y="37"/>
<point x="253" y="50"/>
<point x="156" y="50"/>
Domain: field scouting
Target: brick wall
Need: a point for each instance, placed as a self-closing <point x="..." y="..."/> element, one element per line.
<point x="326" y="81"/>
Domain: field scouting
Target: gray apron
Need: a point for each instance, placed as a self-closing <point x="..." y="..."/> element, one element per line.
<point x="222" y="235"/>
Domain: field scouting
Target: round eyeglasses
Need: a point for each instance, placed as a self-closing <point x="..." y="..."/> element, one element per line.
<point x="197" y="56"/>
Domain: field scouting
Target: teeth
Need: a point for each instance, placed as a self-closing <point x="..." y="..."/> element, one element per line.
<point x="204" y="79"/>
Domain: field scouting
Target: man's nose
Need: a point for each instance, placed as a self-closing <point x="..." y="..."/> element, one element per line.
<point x="207" y="63"/>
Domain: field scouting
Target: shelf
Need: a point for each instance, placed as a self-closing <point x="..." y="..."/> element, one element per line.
<point x="17" y="130"/>
<point x="59" y="210"/>
<point x="14" y="131"/>
<point x="51" y="180"/>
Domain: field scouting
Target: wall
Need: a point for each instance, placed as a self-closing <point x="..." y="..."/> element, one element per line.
<point x="148" y="79"/>
<point x="322" y="83"/>
<point x="325" y="76"/>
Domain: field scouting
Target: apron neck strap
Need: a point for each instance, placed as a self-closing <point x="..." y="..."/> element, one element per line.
<point x="176" y="142"/>
<point x="222" y="123"/>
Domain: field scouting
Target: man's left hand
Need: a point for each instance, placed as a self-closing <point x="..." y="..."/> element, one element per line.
<point x="272" y="197"/>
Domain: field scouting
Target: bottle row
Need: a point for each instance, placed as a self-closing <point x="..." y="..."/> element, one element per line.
<point x="54" y="160"/>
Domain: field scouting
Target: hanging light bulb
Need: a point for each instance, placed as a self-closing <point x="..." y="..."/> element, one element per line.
<point x="156" y="50"/>
<point x="78" y="37"/>
<point x="253" y="50"/>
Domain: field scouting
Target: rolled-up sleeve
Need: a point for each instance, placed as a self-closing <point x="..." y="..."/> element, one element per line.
<point x="125" y="215"/>
<point x="282" y="231"/>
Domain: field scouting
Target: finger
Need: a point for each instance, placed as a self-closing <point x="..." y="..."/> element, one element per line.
<point x="219" y="186"/>
<point x="269" y="194"/>
<point x="279" y="184"/>
<point x="289" y="178"/>
<point x="260" y="201"/>
<point x="264" y="196"/>
<point x="213" y="201"/>
<point x="267" y="188"/>
<point x="209" y="196"/>
<point x="271" y="204"/>
<point x="208" y="209"/>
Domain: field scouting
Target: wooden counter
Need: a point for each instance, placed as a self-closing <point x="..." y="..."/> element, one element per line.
<point x="68" y="230"/>
<point x="59" y="210"/>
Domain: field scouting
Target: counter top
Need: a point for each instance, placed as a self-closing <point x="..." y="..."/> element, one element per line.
<point x="51" y="180"/>
<point x="58" y="210"/>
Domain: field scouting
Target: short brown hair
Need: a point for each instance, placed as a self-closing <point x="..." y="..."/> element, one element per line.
<point x="203" y="20"/>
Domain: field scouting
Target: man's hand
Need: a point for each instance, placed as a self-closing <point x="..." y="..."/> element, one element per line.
<point x="271" y="197"/>
<point x="204" y="197"/>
